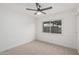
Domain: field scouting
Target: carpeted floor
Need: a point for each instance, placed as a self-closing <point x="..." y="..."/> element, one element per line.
<point x="40" y="48"/>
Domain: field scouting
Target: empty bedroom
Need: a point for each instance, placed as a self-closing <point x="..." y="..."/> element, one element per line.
<point x="39" y="28"/>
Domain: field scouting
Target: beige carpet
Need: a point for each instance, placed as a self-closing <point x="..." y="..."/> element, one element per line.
<point x="39" y="48"/>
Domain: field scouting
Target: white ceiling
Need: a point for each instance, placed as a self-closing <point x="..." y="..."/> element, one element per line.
<point x="57" y="7"/>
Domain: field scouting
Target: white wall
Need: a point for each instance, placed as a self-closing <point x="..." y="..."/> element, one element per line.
<point x="77" y="13"/>
<point x="15" y="28"/>
<point x="68" y="36"/>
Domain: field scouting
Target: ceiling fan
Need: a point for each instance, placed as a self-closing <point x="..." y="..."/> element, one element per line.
<point x="38" y="9"/>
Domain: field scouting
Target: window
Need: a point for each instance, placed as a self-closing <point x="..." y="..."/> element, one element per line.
<point x="52" y="26"/>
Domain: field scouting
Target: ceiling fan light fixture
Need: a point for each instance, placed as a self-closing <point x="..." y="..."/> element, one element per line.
<point x="39" y="10"/>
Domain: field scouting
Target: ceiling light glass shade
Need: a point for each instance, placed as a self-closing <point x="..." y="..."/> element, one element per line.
<point x="38" y="13"/>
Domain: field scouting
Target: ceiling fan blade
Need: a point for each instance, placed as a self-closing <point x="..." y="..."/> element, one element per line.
<point x="43" y="12"/>
<point x="31" y="9"/>
<point x="46" y="8"/>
